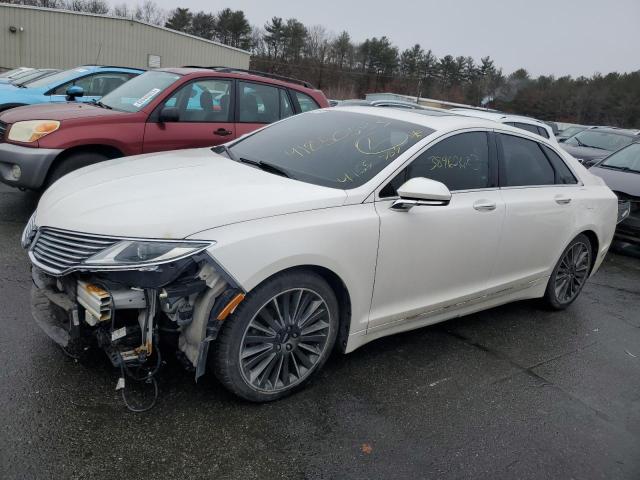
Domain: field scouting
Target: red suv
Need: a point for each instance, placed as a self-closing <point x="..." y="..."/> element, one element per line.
<point x="163" y="109"/>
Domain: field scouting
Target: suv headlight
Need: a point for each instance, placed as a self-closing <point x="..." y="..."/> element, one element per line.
<point x="141" y="252"/>
<point x="32" y="130"/>
<point x="29" y="232"/>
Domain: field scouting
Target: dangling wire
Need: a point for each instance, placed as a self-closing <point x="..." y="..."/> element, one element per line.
<point x="149" y="379"/>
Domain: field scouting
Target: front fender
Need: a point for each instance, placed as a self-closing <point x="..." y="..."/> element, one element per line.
<point x="342" y="239"/>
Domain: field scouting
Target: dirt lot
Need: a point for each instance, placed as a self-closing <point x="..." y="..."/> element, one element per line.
<point x="514" y="392"/>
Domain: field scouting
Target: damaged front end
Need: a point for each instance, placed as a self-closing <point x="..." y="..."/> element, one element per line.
<point x="130" y="297"/>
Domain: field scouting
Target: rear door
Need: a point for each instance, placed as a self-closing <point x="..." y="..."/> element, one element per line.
<point x="259" y="105"/>
<point x="541" y="196"/>
<point x="205" y="109"/>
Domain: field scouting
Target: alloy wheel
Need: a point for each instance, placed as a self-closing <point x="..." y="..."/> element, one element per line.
<point x="285" y="340"/>
<point x="572" y="272"/>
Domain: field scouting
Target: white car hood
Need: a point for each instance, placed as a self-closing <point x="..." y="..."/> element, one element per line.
<point x="173" y="195"/>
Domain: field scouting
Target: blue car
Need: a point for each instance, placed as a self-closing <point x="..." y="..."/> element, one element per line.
<point x="90" y="83"/>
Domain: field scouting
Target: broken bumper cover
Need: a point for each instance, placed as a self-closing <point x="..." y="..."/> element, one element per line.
<point x="129" y="314"/>
<point x="33" y="165"/>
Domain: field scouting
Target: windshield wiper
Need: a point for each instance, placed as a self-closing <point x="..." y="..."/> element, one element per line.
<point x="620" y="168"/>
<point x="267" y="167"/>
<point x="102" y="105"/>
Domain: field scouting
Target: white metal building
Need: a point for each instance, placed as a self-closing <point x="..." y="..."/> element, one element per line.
<point x="44" y="37"/>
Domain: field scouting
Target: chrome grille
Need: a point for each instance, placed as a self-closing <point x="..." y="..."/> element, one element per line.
<point x="57" y="251"/>
<point x="3" y="131"/>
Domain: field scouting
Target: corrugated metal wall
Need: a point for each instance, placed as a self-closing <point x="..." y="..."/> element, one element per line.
<point x="59" y="39"/>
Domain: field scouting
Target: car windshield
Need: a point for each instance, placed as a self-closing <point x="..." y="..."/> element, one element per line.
<point x="571" y="131"/>
<point x="139" y="91"/>
<point x="32" y="76"/>
<point x="59" y="77"/>
<point x="9" y="73"/>
<point x="338" y="149"/>
<point x="626" y="159"/>
<point x="602" y="140"/>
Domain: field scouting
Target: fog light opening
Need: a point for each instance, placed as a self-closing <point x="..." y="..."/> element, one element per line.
<point x="16" y="171"/>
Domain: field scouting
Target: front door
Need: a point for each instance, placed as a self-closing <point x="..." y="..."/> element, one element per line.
<point x="205" y="109"/>
<point x="432" y="257"/>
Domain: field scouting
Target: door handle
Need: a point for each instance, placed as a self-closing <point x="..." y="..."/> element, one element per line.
<point x="223" y="132"/>
<point x="560" y="200"/>
<point x="484" y="206"/>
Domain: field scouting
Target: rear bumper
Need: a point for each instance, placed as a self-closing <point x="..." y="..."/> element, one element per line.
<point x="34" y="164"/>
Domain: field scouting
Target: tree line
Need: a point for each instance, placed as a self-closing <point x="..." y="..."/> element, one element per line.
<point x="345" y="68"/>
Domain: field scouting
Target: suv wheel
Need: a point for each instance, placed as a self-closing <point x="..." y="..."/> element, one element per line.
<point x="570" y="274"/>
<point x="71" y="163"/>
<point x="278" y="337"/>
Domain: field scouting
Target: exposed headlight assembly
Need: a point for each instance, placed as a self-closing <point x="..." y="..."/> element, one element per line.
<point x="29" y="232"/>
<point x="145" y="252"/>
<point x="32" y="130"/>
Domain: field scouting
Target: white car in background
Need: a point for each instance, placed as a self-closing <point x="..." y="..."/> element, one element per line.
<point x="334" y="227"/>
<point x="518" y="121"/>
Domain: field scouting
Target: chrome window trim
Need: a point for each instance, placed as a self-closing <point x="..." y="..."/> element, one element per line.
<point x="550" y="185"/>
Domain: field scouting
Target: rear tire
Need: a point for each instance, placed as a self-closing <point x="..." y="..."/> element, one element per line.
<point x="570" y="274"/>
<point x="278" y="338"/>
<point x="71" y="163"/>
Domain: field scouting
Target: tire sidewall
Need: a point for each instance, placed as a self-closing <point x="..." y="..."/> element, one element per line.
<point x="71" y="163"/>
<point x="226" y="357"/>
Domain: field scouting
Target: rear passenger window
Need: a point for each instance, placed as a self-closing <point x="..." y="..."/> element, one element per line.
<point x="523" y="163"/>
<point x="461" y="162"/>
<point x="305" y="101"/>
<point x="543" y="132"/>
<point x="285" y="105"/>
<point x="563" y="174"/>
<point x="259" y="103"/>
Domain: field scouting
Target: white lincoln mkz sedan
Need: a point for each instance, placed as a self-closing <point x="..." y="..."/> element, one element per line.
<point x="331" y="228"/>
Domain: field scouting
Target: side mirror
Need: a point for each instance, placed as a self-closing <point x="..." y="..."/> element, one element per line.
<point x="73" y="92"/>
<point x="421" y="191"/>
<point x="169" y="114"/>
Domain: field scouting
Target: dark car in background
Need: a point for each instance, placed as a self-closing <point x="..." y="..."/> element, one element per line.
<point x="570" y="131"/>
<point x="592" y="145"/>
<point x="621" y="173"/>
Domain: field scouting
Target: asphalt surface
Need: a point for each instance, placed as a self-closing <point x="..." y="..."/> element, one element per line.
<point x="513" y="392"/>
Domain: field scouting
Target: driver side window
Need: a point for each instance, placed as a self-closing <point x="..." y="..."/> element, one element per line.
<point x="461" y="162"/>
<point x="203" y="101"/>
<point x="96" y="85"/>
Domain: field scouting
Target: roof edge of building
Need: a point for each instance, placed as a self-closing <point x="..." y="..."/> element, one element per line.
<point x="123" y="19"/>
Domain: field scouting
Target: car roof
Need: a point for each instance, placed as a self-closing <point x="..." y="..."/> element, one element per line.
<point x="434" y="122"/>
<point x="243" y="74"/>
<point x="500" y="116"/>
<point x="616" y="131"/>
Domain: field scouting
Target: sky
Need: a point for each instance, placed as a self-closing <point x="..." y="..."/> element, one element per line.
<point x="547" y="37"/>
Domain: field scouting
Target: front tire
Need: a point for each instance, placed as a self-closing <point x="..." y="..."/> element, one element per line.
<point x="570" y="274"/>
<point x="71" y="163"/>
<point x="278" y="338"/>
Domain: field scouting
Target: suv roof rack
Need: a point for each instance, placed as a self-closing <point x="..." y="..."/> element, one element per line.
<point x="258" y="73"/>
